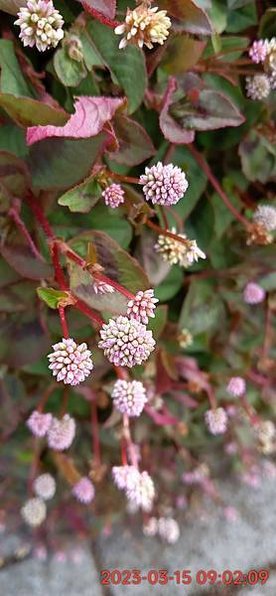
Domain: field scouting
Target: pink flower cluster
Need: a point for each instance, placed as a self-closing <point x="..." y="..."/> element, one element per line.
<point x="142" y="306"/>
<point x="60" y="433"/>
<point x="216" y="421"/>
<point x="70" y="362"/>
<point x="114" y="195"/>
<point x="257" y="51"/>
<point x="126" y="342"/>
<point x="129" y="397"/>
<point x="253" y="293"/>
<point x="164" y="184"/>
<point x="236" y="386"/>
<point x="138" y="486"/>
<point x="84" y="490"/>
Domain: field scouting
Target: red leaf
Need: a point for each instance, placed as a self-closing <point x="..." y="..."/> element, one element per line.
<point x="171" y="129"/>
<point x="88" y="120"/>
<point x="106" y="7"/>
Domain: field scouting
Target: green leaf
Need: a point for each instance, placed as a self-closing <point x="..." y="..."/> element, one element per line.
<point x="12" y="140"/>
<point x="11" y="6"/>
<point x="135" y="145"/>
<point x="192" y="18"/>
<point x="14" y="175"/>
<point x="182" y="54"/>
<point x="51" y="297"/>
<point x="122" y="65"/>
<point x="267" y="24"/>
<point x="196" y="178"/>
<point x="157" y="324"/>
<point x="242" y="18"/>
<point x="171" y="284"/>
<point x="117" y="263"/>
<point x="203" y="308"/>
<point x="268" y="282"/>
<point x="19" y="256"/>
<point x="258" y="157"/>
<point x="17" y="97"/>
<point x="61" y="163"/>
<point x="224" y="217"/>
<point x="69" y="72"/>
<point x="12" y="80"/>
<point x="83" y="197"/>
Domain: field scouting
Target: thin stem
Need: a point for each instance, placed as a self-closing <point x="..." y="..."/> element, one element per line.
<point x="164" y="217"/>
<point x="130" y="445"/>
<point x="212" y="399"/>
<point x="164" y="232"/>
<point x="111" y="282"/>
<point x="96" y="274"/>
<point x="95" y="433"/>
<point x="122" y="178"/>
<point x="46" y="396"/>
<point x="39" y="215"/>
<point x="14" y="214"/>
<point x="100" y="17"/>
<point x="267" y="333"/>
<point x="216" y="185"/>
<point x="63" y="322"/>
<point x="59" y="275"/>
<point x="253" y="417"/>
<point x="86" y="310"/>
<point x="123" y="452"/>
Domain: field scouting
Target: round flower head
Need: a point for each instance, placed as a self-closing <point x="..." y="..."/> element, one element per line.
<point x="216" y="421"/>
<point x="126" y="342"/>
<point x="142" y="307"/>
<point x="61" y="433"/>
<point x="265" y="215"/>
<point x="45" y="486"/>
<point x="40" y="24"/>
<point x="257" y="51"/>
<point x="150" y="528"/>
<point x="178" y="253"/>
<point x="144" y="25"/>
<point x="39" y="423"/>
<point x="140" y="490"/>
<point x="270" y="60"/>
<point x="124" y="475"/>
<point x="70" y="362"/>
<point x="114" y="195"/>
<point x="100" y="287"/>
<point x="258" y="87"/>
<point x="253" y="293"/>
<point x="236" y="386"/>
<point x="164" y="185"/>
<point x="84" y="490"/>
<point x="168" y="529"/>
<point x="34" y="512"/>
<point x="185" y="338"/>
<point x="129" y="397"/>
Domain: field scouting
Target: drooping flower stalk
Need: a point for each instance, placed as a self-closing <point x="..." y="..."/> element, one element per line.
<point x="215" y="183"/>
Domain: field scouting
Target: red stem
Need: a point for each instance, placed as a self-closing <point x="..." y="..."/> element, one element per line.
<point x="99" y="16"/>
<point x="123" y="452"/>
<point x="96" y="274"/>
<point x="216" y="185"/>
<point x="14" y="213"/>
<point x="86" y="310"/>
<point x="39" y="215"/>
<point x="164" y="232"/>
<point x="95" y="433"/>
<point x="63" y="322"/>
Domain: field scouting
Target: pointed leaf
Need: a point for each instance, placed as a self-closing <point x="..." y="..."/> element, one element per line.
<point x="88" y="120"/>
<point x="135" y="146"/>
<point x="123" y="65"/>
<point x="106" y="7"/>
<point x="191" y="17"/>
<point x="83" y="197"/>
